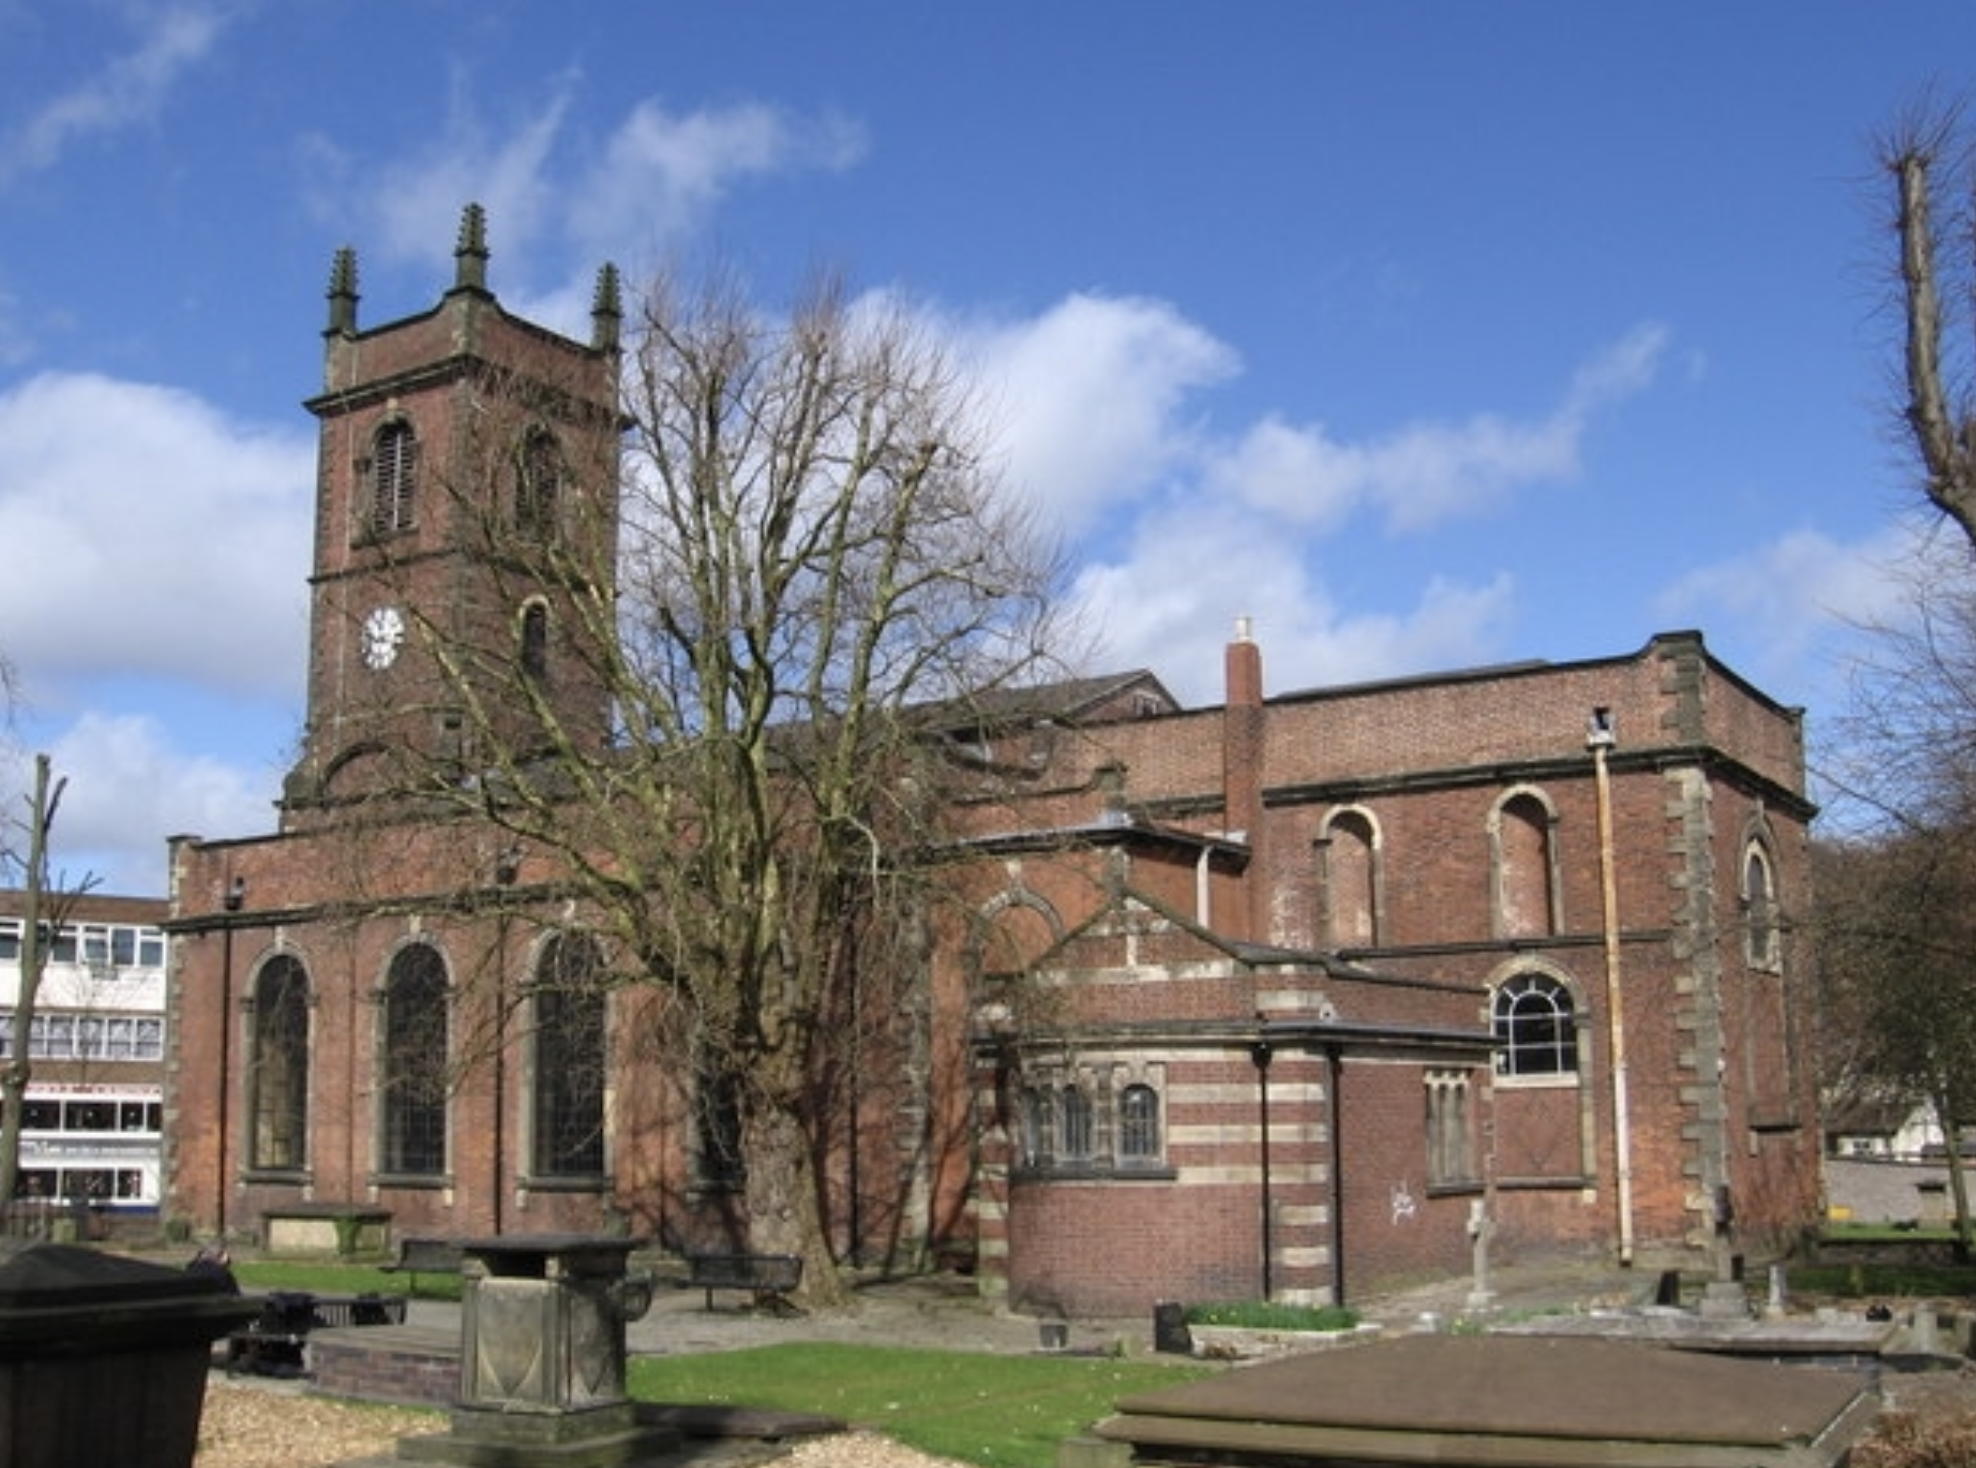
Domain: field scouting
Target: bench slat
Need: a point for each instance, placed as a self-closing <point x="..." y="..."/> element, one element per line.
<point x="765" y="1274"/>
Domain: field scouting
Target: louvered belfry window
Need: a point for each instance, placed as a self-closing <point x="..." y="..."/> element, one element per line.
<point x="394" y="478"/>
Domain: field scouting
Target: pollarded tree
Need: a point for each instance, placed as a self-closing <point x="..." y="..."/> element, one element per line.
<point x="1929" y="159"/>
<point x="811" y="564"/>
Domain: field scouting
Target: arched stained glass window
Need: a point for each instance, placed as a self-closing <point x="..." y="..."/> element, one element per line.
<point x="416" y="1054"/>
<point x="568" y="1077"/>
<point x="278" y="1073"/>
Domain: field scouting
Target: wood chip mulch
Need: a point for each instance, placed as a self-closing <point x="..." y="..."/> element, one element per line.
<point x="258" y="1426"/>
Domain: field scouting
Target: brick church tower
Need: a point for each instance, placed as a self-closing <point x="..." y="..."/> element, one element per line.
<point x="343" y="1027"/>
<point x="466" y="524"/>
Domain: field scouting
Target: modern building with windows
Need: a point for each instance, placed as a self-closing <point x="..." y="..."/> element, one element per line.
<point x="93" y="1122"/>
<point x="1286" y="995"/>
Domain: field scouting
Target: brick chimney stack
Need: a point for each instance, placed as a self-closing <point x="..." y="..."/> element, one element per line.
<point x="1241" y="775"/>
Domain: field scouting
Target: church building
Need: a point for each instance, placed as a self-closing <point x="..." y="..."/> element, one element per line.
<point x="1294" y="996"/>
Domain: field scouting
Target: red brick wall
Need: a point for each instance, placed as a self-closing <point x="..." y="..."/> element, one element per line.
<point x="1118" y="1248"/>
<point x="1397" y="1229"/>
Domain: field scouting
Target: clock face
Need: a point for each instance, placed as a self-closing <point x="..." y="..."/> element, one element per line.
<point x="384" y="634"/>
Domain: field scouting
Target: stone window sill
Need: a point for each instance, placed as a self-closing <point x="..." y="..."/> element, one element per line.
<point x="589" y="1183"/>
<point x="290" y="1177"/>
<point x="1088" y="1173"/>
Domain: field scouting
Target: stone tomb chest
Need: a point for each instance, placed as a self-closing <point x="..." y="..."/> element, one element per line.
<point x="103" y="1359"/>
<point x="1472" y="1400"/>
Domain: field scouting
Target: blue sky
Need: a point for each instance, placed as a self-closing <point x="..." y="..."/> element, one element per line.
<point x="1426" y="335"/>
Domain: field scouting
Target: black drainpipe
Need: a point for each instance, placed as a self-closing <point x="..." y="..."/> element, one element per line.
<point x="1335" y="1066"/>
<point x="1261" y="1053"/>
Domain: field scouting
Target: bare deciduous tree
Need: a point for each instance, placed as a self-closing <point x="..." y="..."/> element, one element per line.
<point x="1897" y="895"/>
<point x="44" y="912"/>
<point x="812" y="564"/>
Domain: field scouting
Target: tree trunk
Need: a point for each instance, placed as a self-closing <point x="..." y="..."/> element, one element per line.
<point x="19" y="1070"/>
<point x="784" y="1216"/>
<point x="1958" y="1180"/>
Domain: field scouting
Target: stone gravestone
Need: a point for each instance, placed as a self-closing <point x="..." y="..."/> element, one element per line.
<point x="542" y="1358"/>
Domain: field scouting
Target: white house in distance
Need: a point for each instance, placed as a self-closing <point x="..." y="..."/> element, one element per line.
<point x="93" y="1127"/>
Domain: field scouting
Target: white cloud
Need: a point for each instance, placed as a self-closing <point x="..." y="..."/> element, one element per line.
<point x="1184" y="525"/>
<point x="415" y="202"/>
<point x="656" y="177"/>
<point x="149" y="535"/>
<point x="128" y="789"/>
<point x="1797" y="586"/>
<point x="662" y="173"/>
<point x="1789" y="606"/>
<point x="1427" y="473"/>
<point x="1172" y="601"/>
<point x="1087" y="398"/>
<point x="131" y="88"/>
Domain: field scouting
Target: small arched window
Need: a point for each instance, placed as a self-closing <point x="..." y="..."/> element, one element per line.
<point x="1076" y="1118"/>
<point x="718" y="1161"/>
<point x="538" y="481"/>
<point x="394" y="478"/>
<point x="1138" y="1124"/>
<point x="1522" y="859"/>
<point x="1760" y="909"/>
<point x="1037" y="1150"/>
<point x="1536" y="1025"/>
<point x="278" y="1074"/>
<point x="415" y="1059"/>
<point x="1349" y="854"/>
<point x="535" y="641"/>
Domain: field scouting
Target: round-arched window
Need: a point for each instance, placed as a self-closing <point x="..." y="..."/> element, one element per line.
<point x="1536" y="1023"/>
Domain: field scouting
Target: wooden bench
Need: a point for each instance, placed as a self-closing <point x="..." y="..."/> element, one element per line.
<point x="271" y="1343"/>
<point x="769" y="1277"/>
<point x="423" y="1255"/>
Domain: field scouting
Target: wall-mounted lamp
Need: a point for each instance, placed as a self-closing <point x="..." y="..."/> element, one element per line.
<point x="1599" y="730"/>
<point x="236" y="893"/>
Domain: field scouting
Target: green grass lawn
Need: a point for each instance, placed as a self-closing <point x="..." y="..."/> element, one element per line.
<point x="1898" y="1281"/>
<point x="998" y="1411"/>
<point x="328" y="1277"/>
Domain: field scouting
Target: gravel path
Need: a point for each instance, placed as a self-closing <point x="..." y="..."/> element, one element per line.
<point x="255" y="1426"/>
<point x="261" y="1426"/>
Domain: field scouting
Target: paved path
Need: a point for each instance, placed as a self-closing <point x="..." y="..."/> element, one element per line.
<point x="947" y="1312"/>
